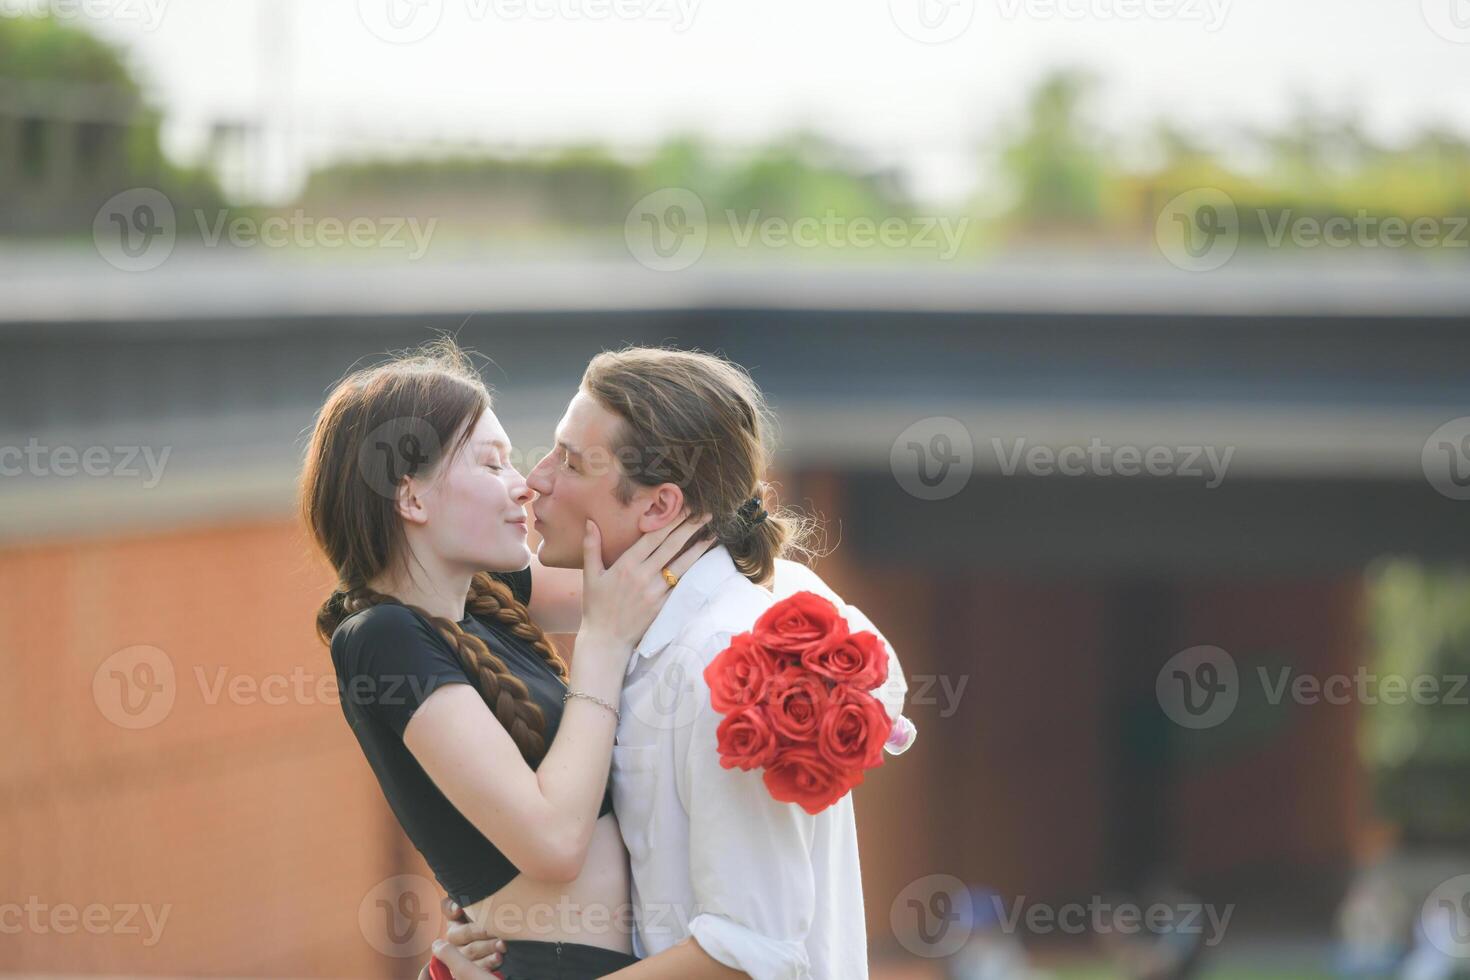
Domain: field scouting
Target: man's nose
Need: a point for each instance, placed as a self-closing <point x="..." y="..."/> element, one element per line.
<point x="537" y="479"/>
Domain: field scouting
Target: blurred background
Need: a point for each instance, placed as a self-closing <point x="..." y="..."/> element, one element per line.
<point x="1122" y="347"/>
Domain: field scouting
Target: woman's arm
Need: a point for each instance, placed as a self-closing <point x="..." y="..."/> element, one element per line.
<point x="542" y="819"/>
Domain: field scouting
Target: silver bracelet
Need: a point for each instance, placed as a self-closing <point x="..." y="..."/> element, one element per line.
<point x="594" y="698"/>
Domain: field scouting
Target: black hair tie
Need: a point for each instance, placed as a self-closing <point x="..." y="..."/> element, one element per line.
<point x="752" y="511"/>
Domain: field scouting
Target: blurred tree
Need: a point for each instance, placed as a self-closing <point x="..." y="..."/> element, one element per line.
<point x="585" y="189"/>
<point x="684" y="161"/>
<point x="576" y="187"/>
<point x="1416" y="742"/>
<point x="41" y="49"/>
<point x="806" y="174"/>
<point x="75" y="130"/>
<point x="1056" y="163"/>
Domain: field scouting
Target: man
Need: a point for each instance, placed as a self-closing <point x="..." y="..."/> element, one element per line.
<point x="726" y="880"/>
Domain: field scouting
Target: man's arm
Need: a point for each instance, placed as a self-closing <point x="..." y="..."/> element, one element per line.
<point x="471" y="953"/>
<point x="685" y="960"/>
<point x="556" y="597"/>
<point x="749" y="855"/>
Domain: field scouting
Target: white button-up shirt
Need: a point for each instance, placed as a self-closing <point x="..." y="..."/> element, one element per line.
<point x="764" y="887"/>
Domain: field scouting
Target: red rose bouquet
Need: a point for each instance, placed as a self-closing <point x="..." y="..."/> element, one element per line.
<point x="796" y="697"/>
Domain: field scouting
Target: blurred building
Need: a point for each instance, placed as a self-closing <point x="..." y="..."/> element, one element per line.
<point x="1034" y="609"/>
<point x="61" y="148"/>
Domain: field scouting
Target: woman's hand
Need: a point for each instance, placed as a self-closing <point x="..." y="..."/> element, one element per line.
<point x="621" y="602"/>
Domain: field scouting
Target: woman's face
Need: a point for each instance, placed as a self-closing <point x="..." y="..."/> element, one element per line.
<point x="475" y="503"/>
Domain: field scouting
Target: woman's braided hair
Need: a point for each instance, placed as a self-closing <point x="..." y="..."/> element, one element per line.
<point x="349" y="507"/>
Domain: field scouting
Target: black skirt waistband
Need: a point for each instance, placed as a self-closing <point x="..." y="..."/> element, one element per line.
<point x="527" y="959"/>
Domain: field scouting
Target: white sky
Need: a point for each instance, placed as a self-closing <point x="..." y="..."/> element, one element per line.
<point x="742" y="70"/>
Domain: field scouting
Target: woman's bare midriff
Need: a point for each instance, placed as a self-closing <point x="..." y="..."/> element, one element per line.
<point x="593" y="910"/>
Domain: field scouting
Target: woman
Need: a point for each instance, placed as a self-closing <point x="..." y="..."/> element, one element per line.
<point x="493" y="756"/>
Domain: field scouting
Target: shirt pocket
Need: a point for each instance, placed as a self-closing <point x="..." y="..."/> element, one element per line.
<point x="634" y="771"/>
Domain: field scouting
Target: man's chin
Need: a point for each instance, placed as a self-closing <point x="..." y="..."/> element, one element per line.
<point x="554" y="558"/>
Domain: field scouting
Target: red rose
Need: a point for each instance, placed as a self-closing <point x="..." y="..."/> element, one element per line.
<point x="740" y="675"/>
<point x="745" y="740"/>
<point x="796" y="703"/>
<point x="859" y="659"/>
<point x="801" y="622"/>
<point x="800" y="775"/>
<point x="853" y="730"/>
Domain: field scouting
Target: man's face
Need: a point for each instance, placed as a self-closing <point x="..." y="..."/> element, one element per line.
<point x="578" y="480"/>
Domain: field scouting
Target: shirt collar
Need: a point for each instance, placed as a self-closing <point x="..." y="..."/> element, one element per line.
<point x="704" y="578"/>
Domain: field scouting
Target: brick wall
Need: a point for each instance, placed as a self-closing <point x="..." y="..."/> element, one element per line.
<point x="258" y="829"/>
<point x="255" y="827"/>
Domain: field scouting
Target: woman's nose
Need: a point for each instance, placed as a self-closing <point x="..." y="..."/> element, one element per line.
<point x="521" y="491"/>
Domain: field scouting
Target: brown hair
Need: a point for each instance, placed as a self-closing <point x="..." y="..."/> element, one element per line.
<point x="422" y="407"/>
<point x="698" y="421"/>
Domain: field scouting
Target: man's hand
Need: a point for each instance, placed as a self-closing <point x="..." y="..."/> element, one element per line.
<point x="471" y="953"/>
<point x="448" y="962"/>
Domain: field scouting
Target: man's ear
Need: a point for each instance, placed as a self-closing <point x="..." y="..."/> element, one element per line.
<point x="663" y="506"/>
<point x="408" y="501"/>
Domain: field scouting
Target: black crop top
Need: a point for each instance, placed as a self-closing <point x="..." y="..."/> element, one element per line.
<point x="388" y="661"/>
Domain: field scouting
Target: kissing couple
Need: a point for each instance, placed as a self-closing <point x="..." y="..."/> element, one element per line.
<point x="590" y="821"/>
